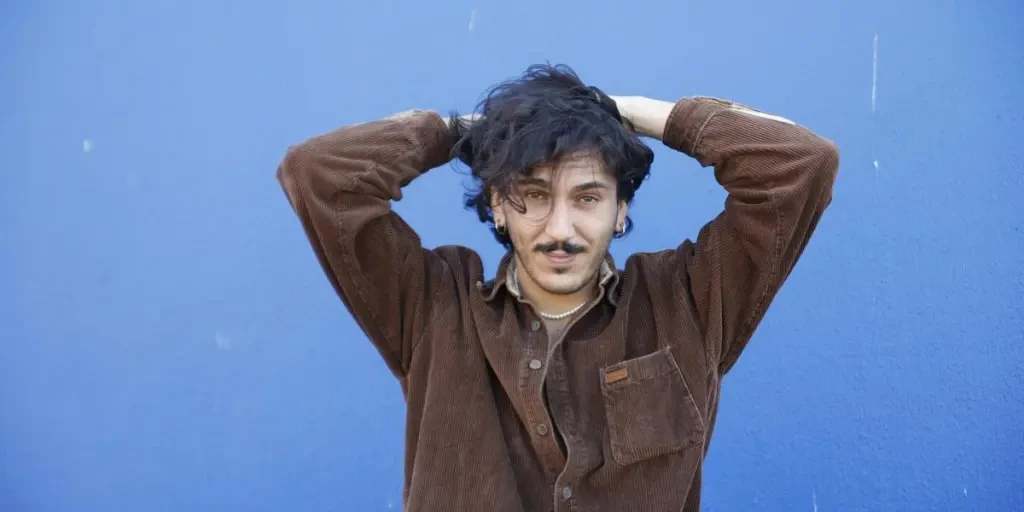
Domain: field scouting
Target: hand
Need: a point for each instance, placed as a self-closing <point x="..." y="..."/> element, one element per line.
<point x="626" y="105"/>
<point x="647" y="116"/>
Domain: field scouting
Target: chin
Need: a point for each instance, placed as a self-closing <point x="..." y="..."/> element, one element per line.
<point x="562" y="278"/>
<point x="563" y="284"/>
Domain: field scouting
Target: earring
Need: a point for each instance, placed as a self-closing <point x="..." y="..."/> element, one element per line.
<point x="620" y="229"/>
<point x="500" y="228"/>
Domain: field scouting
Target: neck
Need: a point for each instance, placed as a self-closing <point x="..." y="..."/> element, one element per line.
<point x="555" y="304"/>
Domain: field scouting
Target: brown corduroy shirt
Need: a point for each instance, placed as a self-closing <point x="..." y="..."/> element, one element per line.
<point x="618" y="416"/>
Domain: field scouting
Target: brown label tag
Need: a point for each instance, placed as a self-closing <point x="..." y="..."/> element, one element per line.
<point x="616" y="375"/>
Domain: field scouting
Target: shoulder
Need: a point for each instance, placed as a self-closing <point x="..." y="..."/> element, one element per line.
<point x="663" y="274"/>
<point x="662" y="263"/>
<point x="462" y="264"/>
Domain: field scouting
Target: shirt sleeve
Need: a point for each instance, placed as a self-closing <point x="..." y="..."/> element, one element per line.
<point x="340" y="185"/>
<point x="779" y="177"/>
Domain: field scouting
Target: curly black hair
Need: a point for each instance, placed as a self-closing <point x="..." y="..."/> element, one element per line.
<point x="543" y="115"/>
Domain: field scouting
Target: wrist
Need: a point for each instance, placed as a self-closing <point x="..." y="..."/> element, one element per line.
<point x="648" y="116"/>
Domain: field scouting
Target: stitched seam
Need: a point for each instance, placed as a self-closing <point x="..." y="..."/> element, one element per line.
<point x="689" y="392"/>
<point x="358" y="279"/>
<point x="700" y="131"/>
<point x="697" y="139"/>
<point x="745" y="329"/>
<point x="434" y="300"/>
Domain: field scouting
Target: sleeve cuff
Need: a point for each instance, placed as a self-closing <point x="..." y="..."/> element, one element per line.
<point x="687" y="121"/>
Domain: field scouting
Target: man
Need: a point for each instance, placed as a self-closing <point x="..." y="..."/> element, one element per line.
<point x="564" y="383"/>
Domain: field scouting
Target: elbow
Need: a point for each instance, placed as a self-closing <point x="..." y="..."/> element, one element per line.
<point x="291" y="172"/>
<point x="296" y="159"/>
<point x="812" y="174"/>
<point x="823" y="156"/>
<point x="828" y="156"/>
<point x="824" y="169"/>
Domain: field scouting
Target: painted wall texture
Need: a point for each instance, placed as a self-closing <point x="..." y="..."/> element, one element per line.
<point x="168" y="341"/>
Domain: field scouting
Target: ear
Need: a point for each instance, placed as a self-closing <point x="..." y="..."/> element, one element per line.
<point x="498" y="209"/>
<point x="620" y="217"/>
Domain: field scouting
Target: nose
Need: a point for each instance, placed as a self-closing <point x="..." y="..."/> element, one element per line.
<point x="559" y="225"/>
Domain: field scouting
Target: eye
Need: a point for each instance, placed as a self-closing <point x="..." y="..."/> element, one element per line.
<point x="534" y="194"/>
<point x="589" y="199"/>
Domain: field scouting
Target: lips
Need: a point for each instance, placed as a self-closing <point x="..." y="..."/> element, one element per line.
<point x="559" y="257"/>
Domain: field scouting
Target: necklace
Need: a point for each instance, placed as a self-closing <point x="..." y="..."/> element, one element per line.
<point x="550" y="316"/>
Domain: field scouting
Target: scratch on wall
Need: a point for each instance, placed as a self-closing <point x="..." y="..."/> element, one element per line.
<point x="874" y="77"/>
<point x="874" y="98"/>
<point x="472" y="20"/>
<point x="814" y="500"/>
<point x="222" y="340"/>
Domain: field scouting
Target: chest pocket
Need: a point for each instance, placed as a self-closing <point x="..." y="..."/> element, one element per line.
<point x="649" y="408"/>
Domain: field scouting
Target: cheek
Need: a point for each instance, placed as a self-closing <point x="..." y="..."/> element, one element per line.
<point x="598" y="234"/>
<point x="523" y="230"/>
<point x="599" y="224"/>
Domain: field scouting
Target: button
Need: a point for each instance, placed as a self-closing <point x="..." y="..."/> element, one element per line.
<point x="567" y="492"/>
<point x="535" y="325"/>
<point x="542" y="429"/>
<point x="535" y="364"/>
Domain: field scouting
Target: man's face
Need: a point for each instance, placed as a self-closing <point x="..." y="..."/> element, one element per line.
<point x="571" y="216"/>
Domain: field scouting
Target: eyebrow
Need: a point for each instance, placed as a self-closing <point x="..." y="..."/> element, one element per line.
<point x="590" y="185"/>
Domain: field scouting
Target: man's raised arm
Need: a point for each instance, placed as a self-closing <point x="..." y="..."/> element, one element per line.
<point x="341" y="185"/>
<point x="779" y="179"/>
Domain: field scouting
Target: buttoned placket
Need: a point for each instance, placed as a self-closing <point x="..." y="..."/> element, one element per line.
<point x="557" y="388"/>
<point x="538" y="417"/>
<point x="539" y="357"/>
<point x="553" y="380"/>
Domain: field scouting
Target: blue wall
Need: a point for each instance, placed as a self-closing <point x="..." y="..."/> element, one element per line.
<point x="169" y="342"/>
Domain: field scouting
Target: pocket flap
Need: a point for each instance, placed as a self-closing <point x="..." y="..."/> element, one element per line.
<point x="649" y="408"/>
<point x="642" y="368"/>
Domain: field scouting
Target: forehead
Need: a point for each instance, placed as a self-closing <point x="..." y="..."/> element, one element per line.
<point x="570" y="171"/>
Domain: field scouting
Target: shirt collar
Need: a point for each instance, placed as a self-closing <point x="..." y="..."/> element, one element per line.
<point x="609" y="279"/>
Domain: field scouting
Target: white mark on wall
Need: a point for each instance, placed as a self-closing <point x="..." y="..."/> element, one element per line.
<point x="965" y="492"/>
<point x="874" y="77"/>
<point x="814" y="500"/>
<point x="87" y="146"/>
<point x="874" y="97"/>
<point x="472" y="20"/>
<point x="222" y="340"/>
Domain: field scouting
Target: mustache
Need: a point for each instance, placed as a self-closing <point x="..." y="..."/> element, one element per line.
<point x="567" y="247"/>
